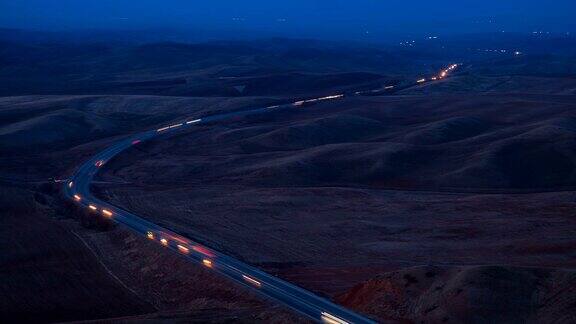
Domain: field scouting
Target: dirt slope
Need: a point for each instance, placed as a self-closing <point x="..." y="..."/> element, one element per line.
<point x="479" y="294"/>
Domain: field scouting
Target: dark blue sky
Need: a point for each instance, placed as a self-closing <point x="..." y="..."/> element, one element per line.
<point x="348" y="19"/>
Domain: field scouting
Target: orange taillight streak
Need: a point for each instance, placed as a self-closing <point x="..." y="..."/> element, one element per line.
<point x="183" y="249"/>
<point x="207" y="263"/>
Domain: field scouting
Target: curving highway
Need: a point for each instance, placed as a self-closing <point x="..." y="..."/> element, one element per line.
<point x="77" y="188"/>
<point x="304" y="302"/>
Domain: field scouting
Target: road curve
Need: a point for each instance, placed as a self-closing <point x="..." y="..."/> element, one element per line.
<point x="77" y="188"/>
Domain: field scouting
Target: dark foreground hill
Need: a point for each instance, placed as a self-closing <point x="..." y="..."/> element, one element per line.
<point x="480" y="294"/>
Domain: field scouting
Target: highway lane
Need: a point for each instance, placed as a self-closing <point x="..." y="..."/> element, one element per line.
<point x="297" y="298"/>
<point x="393" y="88"/>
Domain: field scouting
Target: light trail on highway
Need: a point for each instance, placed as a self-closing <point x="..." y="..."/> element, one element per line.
<point x="77" y="189"/>
<point x="302" y="301"/>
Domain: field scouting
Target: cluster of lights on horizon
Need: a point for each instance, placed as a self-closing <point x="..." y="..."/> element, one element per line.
<point x="443" y="74"/>
<point x="502" y="51"/>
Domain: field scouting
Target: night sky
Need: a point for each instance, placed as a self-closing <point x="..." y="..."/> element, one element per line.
<point x="332" y="19"/>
